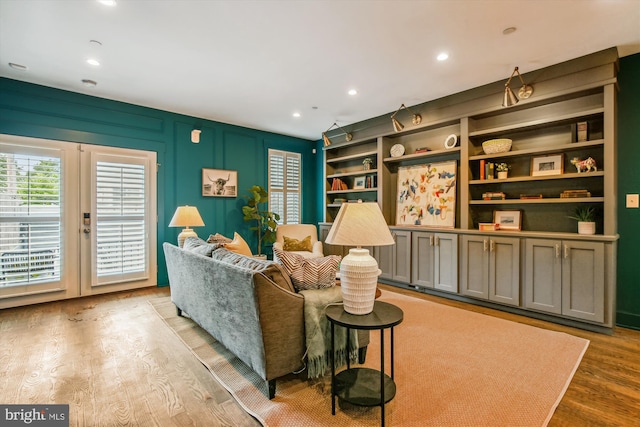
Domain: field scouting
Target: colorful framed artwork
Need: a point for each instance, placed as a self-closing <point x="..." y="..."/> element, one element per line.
<point x="219" y="183"/>
<point x="508" y="220"/>
<point x="547" y="165"/>
<point x="427" y="194"/>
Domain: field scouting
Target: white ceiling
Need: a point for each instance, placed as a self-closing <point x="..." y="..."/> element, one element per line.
<point x="255" y="63"/>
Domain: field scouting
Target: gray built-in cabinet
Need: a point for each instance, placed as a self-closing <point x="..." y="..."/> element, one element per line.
<point x="545" y="269"/>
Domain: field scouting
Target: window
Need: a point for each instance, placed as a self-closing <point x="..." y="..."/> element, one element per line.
<point x="285" y="185"/>
<point x="30" y="236"/>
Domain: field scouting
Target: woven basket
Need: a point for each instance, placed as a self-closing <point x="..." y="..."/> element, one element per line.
<point x="494" y="146"/>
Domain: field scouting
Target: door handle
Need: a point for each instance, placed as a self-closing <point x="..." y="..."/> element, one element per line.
<point x="566" y="251"/>
<point x="485" y="245"/>
<point x="86" y="230"/>
<point x="430" y="240"/>
<point x="557" y="250"/>
<point x="492" y="245"/>
<point x="437" y="241"/>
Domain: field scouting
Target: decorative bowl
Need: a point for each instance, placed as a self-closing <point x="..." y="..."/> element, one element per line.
<point x="494" y="146"/>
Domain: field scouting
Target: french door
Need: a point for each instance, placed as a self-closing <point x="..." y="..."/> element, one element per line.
<point x="75" y="220"/>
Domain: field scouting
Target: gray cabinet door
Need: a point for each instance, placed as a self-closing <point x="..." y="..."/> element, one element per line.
<point x="474" y="266"/>
<point x="504" y="270"/>
<point x="445" y="262"/>
<point x="384" y="256"/>
<point x="402" y="256"/>
<point x="422" y="263"/>
<point x="583" y="280"/>
<point x="543" y="275"/>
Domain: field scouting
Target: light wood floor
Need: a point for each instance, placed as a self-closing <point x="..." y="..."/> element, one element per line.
<point x="103" y="357"/>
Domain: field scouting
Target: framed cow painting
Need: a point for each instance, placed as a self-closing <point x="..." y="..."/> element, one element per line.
<point x="219" y="183"/>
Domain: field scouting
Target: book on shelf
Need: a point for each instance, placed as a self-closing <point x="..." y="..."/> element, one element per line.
<point x="338" y="184"/>
<point x="530" y="196"/>
<point x="581" y="131"/>
<point x="566" y="194"/>
<point x="421" y="150"/>
<point x="499" y="195"/>
<point x="482" y="170"/>
<point x="488" y="226"/>
<point x="489" y="169"/>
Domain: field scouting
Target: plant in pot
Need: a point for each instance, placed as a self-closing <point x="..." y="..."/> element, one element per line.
<point x="265" y="222"/>
<point x="367" y="163"/>
<point x="503" y="170"/>
<point x="585" y="215"/>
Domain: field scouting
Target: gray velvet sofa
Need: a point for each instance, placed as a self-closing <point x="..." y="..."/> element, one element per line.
<point x="250" y="306"/>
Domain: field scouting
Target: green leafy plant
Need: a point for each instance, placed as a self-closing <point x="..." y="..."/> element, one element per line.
<point x="367" y="161"/>
<point x="584" y="214"/>
<point x="502" y="167"/>
<point x="266" y="222"/>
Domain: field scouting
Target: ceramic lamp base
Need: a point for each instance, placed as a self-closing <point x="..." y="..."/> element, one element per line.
<point x="359" y="279"/>
<point x="187" y="232"/>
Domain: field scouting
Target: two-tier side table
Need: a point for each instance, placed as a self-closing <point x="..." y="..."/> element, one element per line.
<point x="364" y="386"/>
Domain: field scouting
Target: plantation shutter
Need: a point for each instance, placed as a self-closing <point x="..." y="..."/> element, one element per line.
<point x="285" y="185"/>
<point x="120" y="228"/>
<point x="30" y="211"/>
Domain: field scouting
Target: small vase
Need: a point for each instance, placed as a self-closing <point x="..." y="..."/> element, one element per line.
<point x="367" y="166"/>
<point x="586" y="227"/>
<point x="503" y="174"/>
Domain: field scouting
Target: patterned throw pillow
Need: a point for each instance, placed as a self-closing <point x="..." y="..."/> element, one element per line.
<point x="293" y="245"/>
<point x="314" y="273"/>
<point x="218" y="238"/>
<point x="238" y="245"/>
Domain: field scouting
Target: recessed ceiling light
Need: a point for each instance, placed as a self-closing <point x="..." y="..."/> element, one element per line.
<point x="509" y="30"/>
<point x="108" y="2"/>
<point x="89" y="83"/>
<point x="93" y="62"/>
<point x="442" y="56"/>
<point x="352" y="92"/>
<point x="296" y="114"/>
<point x="17" y="66"/>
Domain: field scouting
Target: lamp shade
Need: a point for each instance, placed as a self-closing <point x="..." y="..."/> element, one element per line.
<point x="186" y="216"/>
<point x="360" y="224"/>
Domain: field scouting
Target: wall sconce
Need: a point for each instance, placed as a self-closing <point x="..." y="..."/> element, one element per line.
<point x="326" y="139"/>
<point x="195" y="136"/>
<point x="397" y="126"/>
<point x="524" y="92"/>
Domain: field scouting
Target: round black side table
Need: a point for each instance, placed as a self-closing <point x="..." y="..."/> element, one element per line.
<point x="364" y="386"/>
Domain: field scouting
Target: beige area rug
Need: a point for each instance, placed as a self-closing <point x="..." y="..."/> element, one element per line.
<point x="453" y="368"/>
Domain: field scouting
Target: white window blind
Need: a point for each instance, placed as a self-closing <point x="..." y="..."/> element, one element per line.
<point x="120" y="226"/>
<point x="285" y="185"/>
<point x="30" y="231"/>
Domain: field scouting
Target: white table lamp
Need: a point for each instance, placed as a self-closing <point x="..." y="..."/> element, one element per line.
<point x="186" y="216"/>
<point x="359" y="224"/>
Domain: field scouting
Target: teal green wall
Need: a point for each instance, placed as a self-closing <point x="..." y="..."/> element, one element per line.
<point x="43" y="112"/>
<point x="628" y="301"/>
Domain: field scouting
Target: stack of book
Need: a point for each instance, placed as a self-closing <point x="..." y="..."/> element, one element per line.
<point x="338" y="184"/>
<point x="370" y="182"/>
<point x="422" y="150"/>
<point x="487" y="170"/>
<point x="493" y="196"/>
<point x="568" y="194"/>
<point x="530" y="196"/>
<point x="488" y="226"/>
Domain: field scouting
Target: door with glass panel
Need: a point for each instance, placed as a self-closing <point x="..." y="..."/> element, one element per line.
<point x="74" y="220"/>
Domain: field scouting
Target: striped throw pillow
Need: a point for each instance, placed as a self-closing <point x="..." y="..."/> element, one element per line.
<point x="314" y="273"/>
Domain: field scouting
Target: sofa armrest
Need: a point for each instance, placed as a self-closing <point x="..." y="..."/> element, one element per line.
<point x="282" y="323"/>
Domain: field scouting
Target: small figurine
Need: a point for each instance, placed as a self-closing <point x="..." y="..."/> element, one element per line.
<point x="586" y="165"/>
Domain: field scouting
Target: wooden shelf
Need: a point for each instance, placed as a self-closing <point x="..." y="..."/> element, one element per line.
<point x="352" y="157"/>
<point x="363" y="190"/>
<point x="544" y="150"/>
<point x="428" y="154"/>
<point x="547" y="200"/>
<point x="571" y="175"/>
<point x="357" y="173"/>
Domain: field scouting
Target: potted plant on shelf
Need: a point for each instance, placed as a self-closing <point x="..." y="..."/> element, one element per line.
<point x="585" y="215"/>
<point x="266" y="222"/>
<point x="503" y="170"/>
<point x="367" y="163"/>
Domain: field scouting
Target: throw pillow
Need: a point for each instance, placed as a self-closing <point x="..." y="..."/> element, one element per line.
<point x="293" y="245"/>
<point x="199" y="246"/>
<point x="238" y="245"/>
<point x="314" y="273"/>
<point x="218" y="238"/>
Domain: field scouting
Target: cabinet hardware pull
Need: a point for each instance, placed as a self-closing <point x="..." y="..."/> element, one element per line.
<point x="430" y="240"/>
<point x="437" y="241"/>
<point x="492" y="245"/>
<point x="566" y="251"/>
<point x="557" y="250"/>
<point x="484" y="245"/>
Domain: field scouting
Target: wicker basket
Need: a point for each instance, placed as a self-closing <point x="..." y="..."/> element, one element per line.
<point x="494" y="146"/>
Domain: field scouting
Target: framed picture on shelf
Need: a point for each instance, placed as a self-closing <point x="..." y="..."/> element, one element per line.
<point x="219" y="183"/>
<point x="547" y="165"/>
<point x="358" y="182"/>
<point x="508" y="220"/>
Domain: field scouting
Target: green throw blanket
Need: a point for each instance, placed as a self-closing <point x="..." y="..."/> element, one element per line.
<point x="318" y="332"/>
